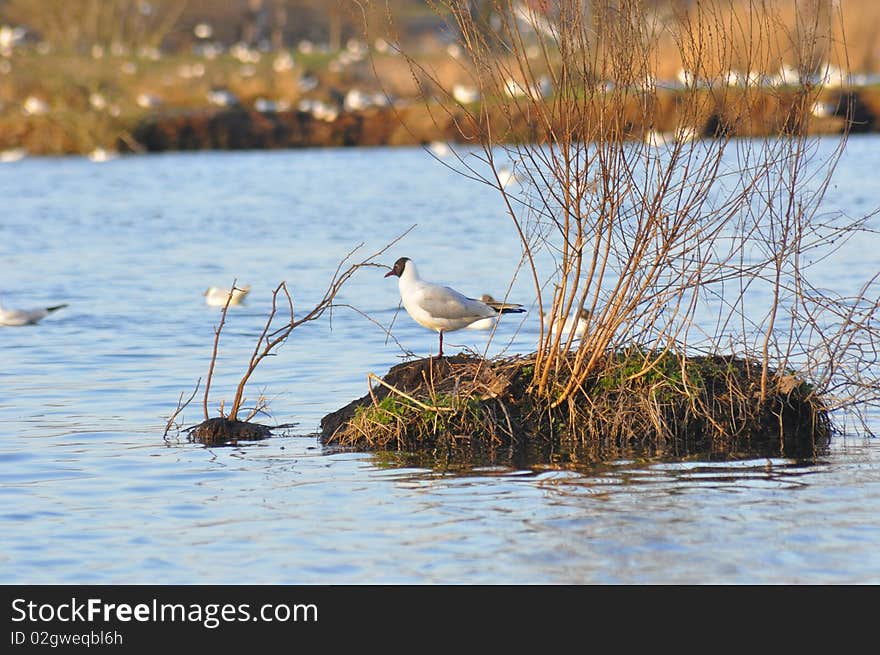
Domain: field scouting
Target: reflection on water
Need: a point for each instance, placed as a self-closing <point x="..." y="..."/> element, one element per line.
<point x="569" y="457"/>
<point x="91" y="492"/>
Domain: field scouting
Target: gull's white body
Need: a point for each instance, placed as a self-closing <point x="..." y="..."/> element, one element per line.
<point x="438" y="307"/>
<point x="216" y="296"/>
<point x="15" y="317"/>
<point x="484" y="323"/>
<point x="579" y="324"/>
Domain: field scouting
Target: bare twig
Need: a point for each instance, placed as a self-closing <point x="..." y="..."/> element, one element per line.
<point x="181" y="405"/>
<point x="270" y="340"/>
<point x="214" y="350"/>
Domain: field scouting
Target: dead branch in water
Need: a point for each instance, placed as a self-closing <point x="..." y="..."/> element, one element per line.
<point x="271" y="339"/>
<point x="181" y="405"/>
<point x="214" y="351"/>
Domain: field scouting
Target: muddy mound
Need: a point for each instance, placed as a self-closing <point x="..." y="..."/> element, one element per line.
<point x="697" y="406"/>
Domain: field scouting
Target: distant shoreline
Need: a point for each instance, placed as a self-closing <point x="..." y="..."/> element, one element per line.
<point x="414" y="123"/>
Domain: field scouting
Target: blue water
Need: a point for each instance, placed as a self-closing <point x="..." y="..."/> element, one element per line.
<point x="92" y="493"/>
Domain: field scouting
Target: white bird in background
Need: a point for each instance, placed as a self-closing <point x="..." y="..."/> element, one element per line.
<point x="441" y="308"/>
<point x="100" y="155"/>
<point x="465" y="94"/>
<point x="12" y="317"/>
<point x="506" y="176"/>
<point x="657" y="139"/>
<point x="439" y="148"/>
<point x="12" y="154"/>
<point x="217" y="296"/>
<point x="580" y="324"/>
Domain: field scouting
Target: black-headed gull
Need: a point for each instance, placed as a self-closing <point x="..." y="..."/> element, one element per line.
<point x="12" y="317"/>
<point x="217" y="296"/>
<point x="441" y="308"/>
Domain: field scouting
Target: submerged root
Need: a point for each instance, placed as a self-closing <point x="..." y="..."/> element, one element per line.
<point x="469" y="406"/>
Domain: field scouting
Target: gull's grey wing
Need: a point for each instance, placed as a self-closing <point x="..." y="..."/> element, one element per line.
<point x="446" y="303"/>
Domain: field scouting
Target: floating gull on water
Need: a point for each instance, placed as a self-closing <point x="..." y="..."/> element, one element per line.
<point x="506" y="176"/>
<point x="12" y="154"/>
<point x="217" y="296"/>
<point x="10" y="317"/>
<point x="465" y="94"/>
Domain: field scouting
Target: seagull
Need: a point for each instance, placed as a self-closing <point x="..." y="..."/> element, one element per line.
<point x="580" y="325"/>
<point x="11" y="317"/>
<point x="217" y="296"/>
<point x="441" y="308"/>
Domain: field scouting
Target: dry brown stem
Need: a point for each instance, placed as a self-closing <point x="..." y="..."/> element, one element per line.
<point x="214" y="350"/>
<point x="181" y="405"/>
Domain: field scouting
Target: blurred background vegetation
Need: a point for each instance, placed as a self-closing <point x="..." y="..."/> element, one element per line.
<point x="76" y="75"/>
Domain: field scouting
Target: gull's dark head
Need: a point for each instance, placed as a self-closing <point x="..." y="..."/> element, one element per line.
<point x="399" y="265"/>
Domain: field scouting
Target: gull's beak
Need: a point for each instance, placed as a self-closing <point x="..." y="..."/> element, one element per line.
<point x="389" y="273"/>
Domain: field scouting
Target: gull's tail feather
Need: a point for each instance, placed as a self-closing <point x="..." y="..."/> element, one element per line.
<point x="506" y="307"/>
<point x="56" y="307"/>
<point x="501" y="307"/>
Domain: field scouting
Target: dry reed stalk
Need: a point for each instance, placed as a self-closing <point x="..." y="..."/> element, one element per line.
<point x="215" y="350"/>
